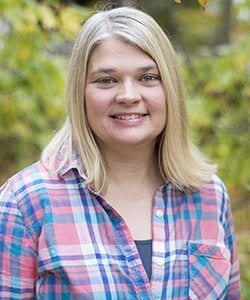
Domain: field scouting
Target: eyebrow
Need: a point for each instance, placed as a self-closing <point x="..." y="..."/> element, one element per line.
<point x="112" y="70"/>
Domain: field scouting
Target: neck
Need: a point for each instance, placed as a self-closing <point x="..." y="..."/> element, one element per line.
<point x="132" y="165"/>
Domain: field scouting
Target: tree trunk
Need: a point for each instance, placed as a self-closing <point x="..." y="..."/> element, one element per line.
<point x="223" y="36"/>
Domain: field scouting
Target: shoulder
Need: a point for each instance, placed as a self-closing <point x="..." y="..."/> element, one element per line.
<point x="28" y="180"/>
<point x="214" y="189"/>
<point x="35" y="188"/>
<point x="213" y="198"/>
<point x="26" y="193"/>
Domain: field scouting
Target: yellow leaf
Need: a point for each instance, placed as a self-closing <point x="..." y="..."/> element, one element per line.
<point x="47" y="17"/>
<point x="70" y="21"/>
<point x="203" y="2"/>
<point x="177" y="1"/>
<point x="31" y="15"/>
<point x="24" y="52"/>
<point x="246" y="91"/>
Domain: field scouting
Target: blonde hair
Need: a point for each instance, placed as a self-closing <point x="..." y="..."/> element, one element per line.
<point x="180" y="161"/>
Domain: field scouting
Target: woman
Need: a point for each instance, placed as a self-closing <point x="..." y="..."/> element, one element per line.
<point x="121" y="205"/>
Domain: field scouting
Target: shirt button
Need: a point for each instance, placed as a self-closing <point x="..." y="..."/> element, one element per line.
<point x="160" y="262"/>
<point x="159" y="213"/>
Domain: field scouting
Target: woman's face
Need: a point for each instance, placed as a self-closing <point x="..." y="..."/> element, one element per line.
<point x="125" y="100"/>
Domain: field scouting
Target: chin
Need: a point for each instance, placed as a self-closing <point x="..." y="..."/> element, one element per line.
<point x="134" y="141"/>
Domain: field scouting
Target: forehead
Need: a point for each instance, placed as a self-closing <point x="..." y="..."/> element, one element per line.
<point x="116" y="51"/>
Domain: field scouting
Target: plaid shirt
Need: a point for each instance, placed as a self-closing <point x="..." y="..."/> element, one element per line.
<point x="61" y="240"/>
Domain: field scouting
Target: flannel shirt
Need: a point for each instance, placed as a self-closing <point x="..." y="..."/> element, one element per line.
<point x="59" y="239"/>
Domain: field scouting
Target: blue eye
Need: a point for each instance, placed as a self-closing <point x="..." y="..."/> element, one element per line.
<point x="150" y="77"/>
<point x="106" y="80"/>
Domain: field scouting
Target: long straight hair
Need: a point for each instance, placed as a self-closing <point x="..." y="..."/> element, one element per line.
<point x="180" y="162"/>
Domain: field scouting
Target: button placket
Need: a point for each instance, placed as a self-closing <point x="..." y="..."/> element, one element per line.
<point x="158" y="259"/>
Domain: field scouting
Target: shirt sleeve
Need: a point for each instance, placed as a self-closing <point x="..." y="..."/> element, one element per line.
<point x="17" y="252"/>
<point x="234" y="284"/>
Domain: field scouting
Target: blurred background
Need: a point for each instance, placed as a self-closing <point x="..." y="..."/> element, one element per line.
<point x="213" y="46"/>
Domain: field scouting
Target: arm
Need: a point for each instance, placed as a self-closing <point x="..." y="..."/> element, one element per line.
<point x="17" y="253"/>
<point x="234" y="284"/>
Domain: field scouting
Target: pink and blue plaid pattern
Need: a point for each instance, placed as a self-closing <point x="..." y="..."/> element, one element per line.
<point x="60" y="240"/>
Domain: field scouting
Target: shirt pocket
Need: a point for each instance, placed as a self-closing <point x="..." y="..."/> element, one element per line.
<point x="209" y="271"/>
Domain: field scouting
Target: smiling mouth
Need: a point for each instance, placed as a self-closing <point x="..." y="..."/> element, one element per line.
<point x="128" y="117"/>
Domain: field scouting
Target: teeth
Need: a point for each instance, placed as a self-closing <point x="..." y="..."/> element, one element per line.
<point x="128" y="117"/>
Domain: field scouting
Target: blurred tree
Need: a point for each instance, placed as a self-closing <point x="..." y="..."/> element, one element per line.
<point x="224" y="28"/>
<point x="219" y="109"/>
<point x="32" y="78"/>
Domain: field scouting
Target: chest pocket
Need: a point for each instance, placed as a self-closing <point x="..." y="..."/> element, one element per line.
<point x="209" y="271"/>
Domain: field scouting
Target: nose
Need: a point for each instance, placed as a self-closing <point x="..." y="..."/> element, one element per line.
<point x="128" y="93"/>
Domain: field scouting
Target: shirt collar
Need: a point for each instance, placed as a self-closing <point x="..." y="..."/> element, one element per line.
<point x="72" y="163"/>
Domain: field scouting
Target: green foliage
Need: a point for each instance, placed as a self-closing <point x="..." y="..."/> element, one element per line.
<point x="32" y="78"/>
<point x="219" y="108"/>
<point x="193" y="37"/>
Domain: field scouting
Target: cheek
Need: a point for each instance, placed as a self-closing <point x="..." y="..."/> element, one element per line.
<point x="92" y="108"/>
<point x="157" y="101"/>
<point x="96" y="104"/>
<point x="158" y="107"/>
